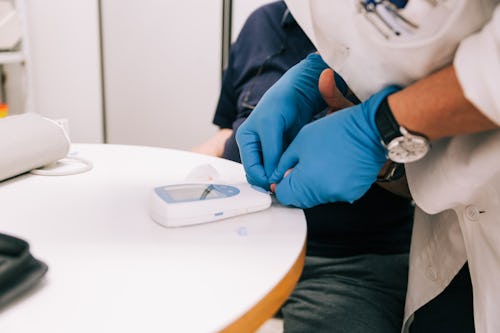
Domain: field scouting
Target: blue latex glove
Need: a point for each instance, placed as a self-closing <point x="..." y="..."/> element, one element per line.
<point x="284" y="109"/>
<point x="335" y="158"/>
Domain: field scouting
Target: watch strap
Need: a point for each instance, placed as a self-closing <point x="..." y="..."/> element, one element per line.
<point x="386" y="124"/>
<point x="393" y="172"/>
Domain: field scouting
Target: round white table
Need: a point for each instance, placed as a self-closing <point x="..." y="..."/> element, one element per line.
<point x="112" y="269"/>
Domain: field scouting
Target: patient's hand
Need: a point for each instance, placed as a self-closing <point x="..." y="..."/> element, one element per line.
<point x="215" y="145"/>
<point x="330" y="93"/>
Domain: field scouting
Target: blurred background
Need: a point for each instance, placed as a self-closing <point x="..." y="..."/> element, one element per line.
<point x="141" y="72"/>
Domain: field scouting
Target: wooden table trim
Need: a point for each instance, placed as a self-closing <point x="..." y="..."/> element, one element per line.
<point x="271" y="303"/>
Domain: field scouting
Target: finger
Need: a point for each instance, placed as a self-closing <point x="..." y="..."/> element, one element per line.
<point x="328" y="86"/>
<point x="287" y="162"/>
<point x="291" y="192"/>
<point x="272" y="147"/>
<point x="251" y="157"/>
<point x="273" y="185"/>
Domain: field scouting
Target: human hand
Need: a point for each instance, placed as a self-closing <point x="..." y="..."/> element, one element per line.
<point x="338" y="100"/>
<point x="335" y="158"/>
<point x="284" y="109"/>
<point x="335" y="91"/>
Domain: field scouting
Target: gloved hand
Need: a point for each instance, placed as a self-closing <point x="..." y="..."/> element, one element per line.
<point x="284" y="109"/>
<point x="335" y="158"/>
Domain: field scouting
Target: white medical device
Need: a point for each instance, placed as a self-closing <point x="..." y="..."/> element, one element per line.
<point x="194" y="203"/>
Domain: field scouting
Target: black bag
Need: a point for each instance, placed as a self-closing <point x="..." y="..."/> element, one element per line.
<point x="19" y="270"/>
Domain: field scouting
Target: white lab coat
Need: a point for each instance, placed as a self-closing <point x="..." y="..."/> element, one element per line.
<point x="457" y="186"/>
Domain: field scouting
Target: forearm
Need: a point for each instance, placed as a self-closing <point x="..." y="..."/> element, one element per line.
<point x="215" y="145"/>
<point x="436" y="107"/>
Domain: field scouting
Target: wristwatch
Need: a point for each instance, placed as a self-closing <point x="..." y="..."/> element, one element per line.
<point x="402" y="145"/>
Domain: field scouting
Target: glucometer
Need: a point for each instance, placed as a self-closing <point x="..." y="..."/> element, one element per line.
<point x="179" y="205"/>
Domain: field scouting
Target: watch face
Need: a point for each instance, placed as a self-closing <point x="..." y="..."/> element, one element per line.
<point x="408" y="148"/>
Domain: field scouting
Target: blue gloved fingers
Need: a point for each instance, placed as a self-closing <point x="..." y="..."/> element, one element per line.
<point x="272" y="128"/>
<point x="286" y="190"/>
<point x="288" y="161"/>
<point x="272" y="148"/>
<point x="282" y="111"/>
<point x="251" y="157"/>
<point x="261" y="145"/>
<point x="310" y="69"/>
<point x="287" y="187"/>
<point x="335" y="158"/>
<point x="292" y="187"/>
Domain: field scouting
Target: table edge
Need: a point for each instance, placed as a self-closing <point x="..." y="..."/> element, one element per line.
<point x="271" y="303"/>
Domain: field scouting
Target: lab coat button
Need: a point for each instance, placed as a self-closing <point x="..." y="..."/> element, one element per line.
<point x="472" y="213"/>
<point x="431" y="273"/>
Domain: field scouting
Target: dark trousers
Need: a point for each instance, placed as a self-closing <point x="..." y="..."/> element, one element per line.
<point x="358" y="294"/>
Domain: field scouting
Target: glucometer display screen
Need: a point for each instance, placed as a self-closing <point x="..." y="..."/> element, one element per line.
<point x="192" y="192"/>
<point x="195" y="192"/>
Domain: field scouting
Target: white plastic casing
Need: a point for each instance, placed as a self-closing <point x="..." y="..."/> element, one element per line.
<point x="177" y="214"/>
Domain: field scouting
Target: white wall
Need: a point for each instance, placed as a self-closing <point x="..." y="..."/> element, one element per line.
<point x="161" y="65"/>
<point x="64" y="50"/>
<point x="162" y="70"/>
<point x="14" y="73"/>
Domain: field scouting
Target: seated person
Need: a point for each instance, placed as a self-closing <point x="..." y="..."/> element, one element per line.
<point x="355" y="273"/>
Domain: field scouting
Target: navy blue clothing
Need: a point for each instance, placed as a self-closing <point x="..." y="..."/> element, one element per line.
<point x="269" y="43"/>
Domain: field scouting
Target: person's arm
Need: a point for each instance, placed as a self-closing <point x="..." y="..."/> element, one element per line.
<point x="436" y="107"/>
<point x="214" y="146"/>
<point x="447" y="103"/>
<point x="337" y="158"/>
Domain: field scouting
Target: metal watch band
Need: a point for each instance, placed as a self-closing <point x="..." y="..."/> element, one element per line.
<point x="387" y="125"/>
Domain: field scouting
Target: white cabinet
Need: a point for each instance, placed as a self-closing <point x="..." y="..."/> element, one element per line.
<point x="15" y="65"/>
<point x="56" y="71"/>
<point x="153" y="79"/>
<point x="66" y="64"/>
<point x="162" y="64"/>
